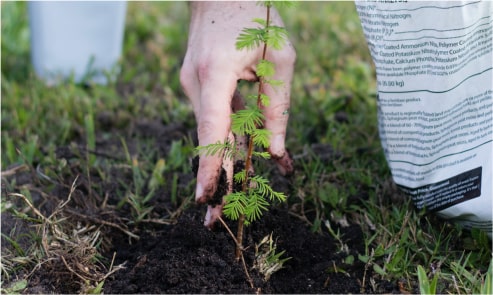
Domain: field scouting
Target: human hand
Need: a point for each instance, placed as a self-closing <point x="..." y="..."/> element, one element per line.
<point x="209" y="76"/>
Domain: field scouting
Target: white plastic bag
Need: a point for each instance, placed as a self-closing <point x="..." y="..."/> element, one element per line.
<point x="434" y="73"/>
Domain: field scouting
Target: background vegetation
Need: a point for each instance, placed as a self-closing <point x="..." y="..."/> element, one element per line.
<point x="343" y="177"/>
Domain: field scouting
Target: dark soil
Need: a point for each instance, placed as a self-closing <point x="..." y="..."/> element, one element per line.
<point x="183" y="256"/>
<point x="186" y="258"/>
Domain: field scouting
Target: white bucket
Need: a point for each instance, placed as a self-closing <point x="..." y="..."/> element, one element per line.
<point x="78" y="39"/>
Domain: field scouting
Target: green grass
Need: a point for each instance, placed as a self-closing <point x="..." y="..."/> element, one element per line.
<point x="333" y="75"/>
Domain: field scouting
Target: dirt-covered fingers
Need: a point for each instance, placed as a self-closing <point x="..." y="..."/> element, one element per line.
<point x="276" y="120"/>
<point x="212" y="215"/>
<point x="238" y="103"/>
<point x="277" y="112"/>
<point x="214" y="122"/>
<point x="224" y="187"/>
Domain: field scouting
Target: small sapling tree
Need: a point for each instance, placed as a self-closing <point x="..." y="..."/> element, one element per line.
<point x="248" y="203"/>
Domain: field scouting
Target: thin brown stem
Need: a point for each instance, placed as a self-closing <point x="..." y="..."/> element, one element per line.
<point x="245" y="268"/>
<point x="228" y="229"/>
<point x="248" y="160"/>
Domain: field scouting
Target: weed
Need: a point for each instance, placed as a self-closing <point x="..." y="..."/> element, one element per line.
<point x="425" y="285"/>
<point x="267" y="260"/>
<point x="68" y="248"/>
<point x="15" y="287"/>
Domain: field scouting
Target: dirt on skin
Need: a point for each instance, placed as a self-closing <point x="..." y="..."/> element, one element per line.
<point x="183" y="256"/>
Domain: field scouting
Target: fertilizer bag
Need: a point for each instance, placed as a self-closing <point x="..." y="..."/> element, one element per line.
<point x="434" y="72"/>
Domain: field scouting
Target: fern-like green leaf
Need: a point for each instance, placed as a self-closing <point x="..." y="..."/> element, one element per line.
<point x="235" y="205"/>
<point x="239" y="177"/>
<point x="261" y="137"/>
<point x="260" y="21"/>
<point x="226" y="149"/>
<point x="265" y="68"/>
<point x="250" y="38"/>
<point x="281" y="4"/>
<point x="276" y="37"/>
<point x="274" y="83"/>
<point x="264" y="100"/>
<point x="256" y="204"/>
<point x="263" y="155"/>
<point x="244" y="122"/>
<point x="262" y="187"/>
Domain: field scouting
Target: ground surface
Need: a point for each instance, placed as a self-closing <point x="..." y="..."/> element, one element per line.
<point x="183" y="256"/>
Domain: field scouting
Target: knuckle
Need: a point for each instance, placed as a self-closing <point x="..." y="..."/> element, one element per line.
<point x="203" y="70"/>
<point x="286" y="56"/>
<point x="207" y="130"/>
<point x="186" y="76"/>
<point x="278" y="112"/>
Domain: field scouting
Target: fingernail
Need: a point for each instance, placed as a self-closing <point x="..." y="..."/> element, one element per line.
<point x="277" y="146"/>
<point x="199" y="192"/>
<point x="207" y="219"/>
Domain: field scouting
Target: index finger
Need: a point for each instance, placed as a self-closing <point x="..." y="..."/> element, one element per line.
<point x="214" y="121"/>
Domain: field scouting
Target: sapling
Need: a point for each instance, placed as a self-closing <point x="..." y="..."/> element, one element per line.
<point x="248" y="203"/>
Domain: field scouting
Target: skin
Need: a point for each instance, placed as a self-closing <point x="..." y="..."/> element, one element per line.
<point x="209" y="75"/>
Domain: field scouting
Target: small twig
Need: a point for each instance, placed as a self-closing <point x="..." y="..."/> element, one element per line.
<point x="104" y="222"/>
<point x="159" y="221"/>
<point x="98" y="153"/>
<point x="14" y="170"/>
<point x="37" y="266"/>
<point x="229" y="230"/>
<point x="245" y="268"/>
<point x="72" y="270"/>
<point x="175" y="214"/>
<point x="113" y="270"/>
<point x="44" y="176"/>
<point x="300" y="217"/>
<point x="36" y="211"/>
<point x="63" y="204"/>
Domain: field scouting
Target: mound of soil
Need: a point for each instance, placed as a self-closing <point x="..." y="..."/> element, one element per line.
<point x="188" y="258"/>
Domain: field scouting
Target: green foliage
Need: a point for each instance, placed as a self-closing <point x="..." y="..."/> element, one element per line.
<point x="487" y="284"/>
<point x="227" y="149"/>
<point x="235" y="205"/>
<point x="16" y="287"/>
<point x="270" y="35"/>
<point x="278" y="4"/>
<point x="261" y="138"/>
<point x="98" y="289"/>
<point x="275" y="37"/>
<point x="245" y="122"/>
<point x="250" y="38"/>
<point x="260" y="185"/>
<point x="267" y="259"/>
<point x="252" y="202"/>
<point x="265" y="68"/>
<point x="425" y="285"/>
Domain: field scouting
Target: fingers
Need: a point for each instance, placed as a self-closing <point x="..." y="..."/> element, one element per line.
<point x="212" y="215"/>
<point x="190" y="83"/>
<point x="214" y="121"/>
<point x="214" y="210"/>
<point x="277" y="112"/>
